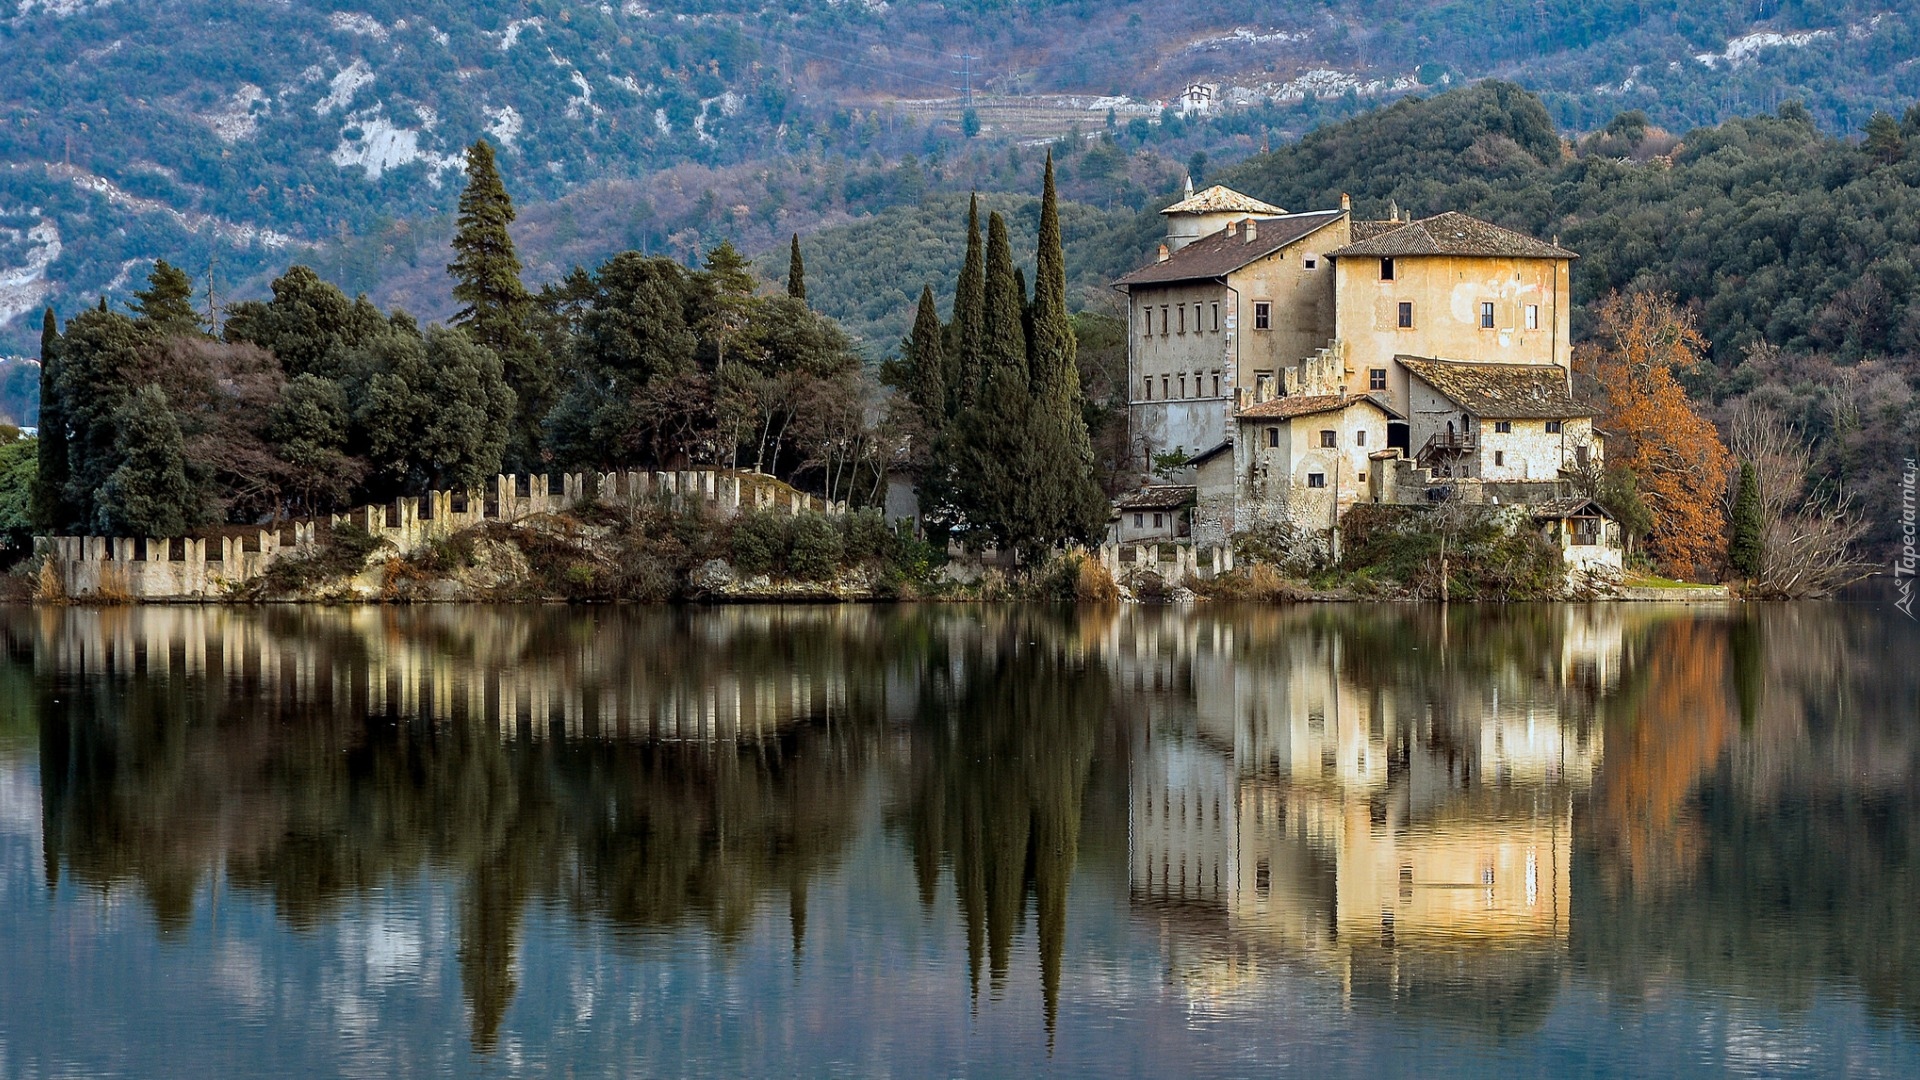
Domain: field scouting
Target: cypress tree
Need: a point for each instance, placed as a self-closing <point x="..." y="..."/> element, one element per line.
<point x="926" y="364"/>
<point x="997" y="450"/>
<point x="1070" y="502"/>
<point x="796" y="272"/>
<point x="496" y="310"/>
<point x="969" y="314"/>
<point x="1746" y="547"/>
<point x="49" y="483"/>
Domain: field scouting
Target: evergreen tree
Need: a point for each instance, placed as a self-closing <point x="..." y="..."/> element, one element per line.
<point x="796" y="272"/>
<point x="1746" y="546"/>
<point x="995" y="435"/>
<point x="98" y="356"/>
<point x="165" y="307"/>
<point x="496" y="310"/>
<point x="1070" y="501"/>
<point x="926" y="365"/>
<point x="149" y="492"/>
<point x="437" y="414"/>
<point x="50" y="510"/>
<point x="969" y="314"/>
<point x="726" y="297"/>
<point x="1884" y="140"/>
<point x="308" y="324"/>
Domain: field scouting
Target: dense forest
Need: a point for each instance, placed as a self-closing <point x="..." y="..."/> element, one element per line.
<point x="238" y="138"/>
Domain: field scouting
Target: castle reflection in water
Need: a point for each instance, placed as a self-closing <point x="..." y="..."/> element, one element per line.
<point x="1429" y="808"/>
<point x="1313" y="790"/>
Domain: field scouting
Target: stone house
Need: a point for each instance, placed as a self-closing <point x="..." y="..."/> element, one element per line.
<point x="1153" y="513"/>
<point x="1449" y="286"/>
<point x="1587" y="537"/>
<point x="1303" y="458"/>
<point x="1497" y="422"/>
<point x="1240" y="294"/>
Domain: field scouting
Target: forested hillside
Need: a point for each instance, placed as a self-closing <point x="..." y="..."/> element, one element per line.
<point x="237" y="138"/>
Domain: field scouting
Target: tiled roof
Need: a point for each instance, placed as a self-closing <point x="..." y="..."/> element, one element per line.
<point x="1208" y="455"/>
<point x="1226" y="251"/>
<point x="1575" y="506"/>
<point x="1367" y="230"/>
<point x="1500" y="391"/>
<point x="1222" y="200"/>
<point x="1451" y="233"/>
<point x="1287" y="408"/>
<point x="1158" y="497"/>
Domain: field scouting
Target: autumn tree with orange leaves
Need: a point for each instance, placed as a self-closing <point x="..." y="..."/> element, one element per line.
<point x="1640" y="342"/>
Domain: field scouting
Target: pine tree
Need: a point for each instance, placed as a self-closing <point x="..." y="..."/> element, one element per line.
<point x="496" y="310"/>
<point x="969" y="314"/>
<point x="148" y="492"/>
<point x="165" y="307"/>
<point x="1884" y="140"/>
<point x="726" y="298"/>
<point x="926" y="365"/>
<point x="1745" y="549"/>
<point x="50" y="481"/>
<point x="796" y="272"/>
<point x="1071" y="503"/>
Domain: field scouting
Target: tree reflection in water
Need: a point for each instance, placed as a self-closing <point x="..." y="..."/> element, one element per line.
<point x="1445" y="812"/>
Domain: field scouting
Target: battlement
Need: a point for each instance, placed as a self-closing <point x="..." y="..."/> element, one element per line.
<point x="208" y="567"/>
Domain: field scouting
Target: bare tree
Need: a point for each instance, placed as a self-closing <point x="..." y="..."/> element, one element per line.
<point x="1808" y="539"/>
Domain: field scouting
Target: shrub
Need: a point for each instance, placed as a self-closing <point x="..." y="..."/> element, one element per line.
<point x="759" y="540"/>
<point x="814" y="548"/>
<point x="868" y="540"/>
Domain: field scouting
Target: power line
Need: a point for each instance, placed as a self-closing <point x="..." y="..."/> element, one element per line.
<point x="895" y="73"/>
<point x="966" y="75"/>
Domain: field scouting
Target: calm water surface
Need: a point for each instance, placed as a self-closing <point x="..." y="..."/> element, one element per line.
<point x="1551" y="840"/>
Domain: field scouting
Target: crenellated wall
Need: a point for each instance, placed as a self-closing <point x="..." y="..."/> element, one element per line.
<point x="197" y="568"/>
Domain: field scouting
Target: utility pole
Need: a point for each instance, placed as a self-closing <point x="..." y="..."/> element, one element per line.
<point x="966" y="75"/>
<point x="213" y="308"/>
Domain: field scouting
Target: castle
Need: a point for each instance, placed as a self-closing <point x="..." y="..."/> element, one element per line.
<point x="1298" y="363"/>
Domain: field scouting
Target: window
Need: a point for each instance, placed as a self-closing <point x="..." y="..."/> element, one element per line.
<point x="1216" y="317"/>
<point x="1183" y="318"/>
<point x="1148" y="396"/>
<point x="1196" y="318"/>
<point x="1146" y="321"/>
<point x="1502" y="427"/>
<point x="1316" y="479"/>
<point x="1486" y="316"/>
<point x="1183" y="386"/>
<point x="1273" y="436"/>
<point x="1386" y="269"/>
<point x="1262" y="315"/>
<point x="1499" y="457"/>
<point x="1312" y="262"/>
<point x="1360" y="439"/>
<point x="1163" y="320"/>
<point x="1216" y="384"/>
<point x="1166" y="386"/>
<point x="1533" y="316"/>
<point x="1553" y="427"/>
<point x="1156" y="521"/>
<point x="1406" y="314"/>
<point x="1329" y="437"/>
<point x="1377" y="378"/>
<point x="1580" y="455"/>
<point x="1139" y="520"/>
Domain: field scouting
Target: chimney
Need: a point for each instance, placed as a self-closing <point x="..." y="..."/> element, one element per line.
<point x="1393" y="209"/>
<point x="1346" y="201"/>
<point x="1189" y="185"/>
<point x="1164" y="254"/>
<point x="1251" y="230"/>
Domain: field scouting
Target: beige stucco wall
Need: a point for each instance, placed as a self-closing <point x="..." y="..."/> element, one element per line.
<point x="1302" y="321"/>
<point x="1446" y="293"/>
<point x="1272" y="481"/>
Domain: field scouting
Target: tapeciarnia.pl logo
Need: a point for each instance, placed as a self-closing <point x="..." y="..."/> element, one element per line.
<point x="1909" y="561"/>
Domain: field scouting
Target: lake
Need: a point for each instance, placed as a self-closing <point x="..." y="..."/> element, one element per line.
<point x="960" y="840"/>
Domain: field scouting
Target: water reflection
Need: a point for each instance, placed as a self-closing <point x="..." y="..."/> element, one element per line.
<point x="1441" y="817"/>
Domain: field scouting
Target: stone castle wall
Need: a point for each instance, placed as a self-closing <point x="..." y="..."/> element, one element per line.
<point x="204" y="568"/>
